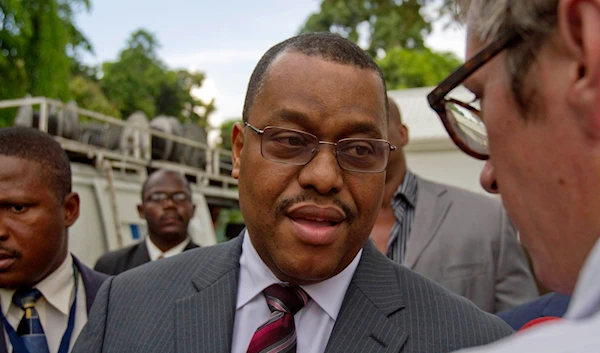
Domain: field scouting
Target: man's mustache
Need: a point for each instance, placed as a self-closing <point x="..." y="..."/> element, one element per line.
<point x="7" y="252"/>
<point x="285" y="204"/>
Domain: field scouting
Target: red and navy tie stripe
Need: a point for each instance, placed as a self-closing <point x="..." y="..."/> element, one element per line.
<point x="278" y="334"/>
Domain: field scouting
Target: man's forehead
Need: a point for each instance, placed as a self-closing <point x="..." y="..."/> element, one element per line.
<point x="166" y="180"/>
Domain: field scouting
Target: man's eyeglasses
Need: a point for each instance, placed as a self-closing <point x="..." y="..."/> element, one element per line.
<point x="162" y="197"/>
<point x="289" y="146"/>
<point x="464" y="122"/>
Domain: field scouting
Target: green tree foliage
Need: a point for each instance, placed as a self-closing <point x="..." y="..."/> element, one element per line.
<point x="395" y="36"/>
<point x="405" y="68"/>
<point x="38" y="43"/>
<point x="390" y="23"/>
<point x="139" y="80"/>
<point x="88" y="94"/>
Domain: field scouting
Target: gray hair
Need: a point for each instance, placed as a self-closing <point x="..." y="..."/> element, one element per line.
<point x="535" y="20"/>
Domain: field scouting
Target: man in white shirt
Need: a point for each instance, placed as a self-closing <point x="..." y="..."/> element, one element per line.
<point x="37" y="207"/>
<point x="310" y="158"/>
<point x="167" y="208"/>
<point x="537" y="79"/>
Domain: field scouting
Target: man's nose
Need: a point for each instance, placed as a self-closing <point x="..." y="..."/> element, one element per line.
<point x="487" y="178"/>
<point x="323" y="171"/>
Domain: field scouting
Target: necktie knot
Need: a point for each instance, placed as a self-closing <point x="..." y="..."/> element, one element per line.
<point x="26" y="298"/>
<point x="285" y="298"/>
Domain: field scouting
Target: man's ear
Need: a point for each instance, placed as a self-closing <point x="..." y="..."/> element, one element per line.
<point x="579" y="27"/>
<point x="404" y="134"/>
<point x="140" y="210"/>
<point x="71" y="207"/>
<point x="237" y="144"/>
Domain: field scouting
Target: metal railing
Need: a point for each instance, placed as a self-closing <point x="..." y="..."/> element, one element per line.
<point x="213" y="174"/>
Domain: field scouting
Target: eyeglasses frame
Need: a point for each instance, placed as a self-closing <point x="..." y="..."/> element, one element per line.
<point x="169" y="198"/>
<point x="437" y="98"/>
<point x="261" y="133"/>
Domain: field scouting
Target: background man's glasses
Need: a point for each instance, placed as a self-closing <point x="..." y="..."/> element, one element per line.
<point x="462" y="120"/>
<point x="161" y="197"/>
<point x="363" y="155"/>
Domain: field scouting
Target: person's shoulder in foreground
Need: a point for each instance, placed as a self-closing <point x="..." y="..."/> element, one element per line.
<point x="421" y="315"/>
<point x="549" y="305"/>
<point x="534" y="67"/>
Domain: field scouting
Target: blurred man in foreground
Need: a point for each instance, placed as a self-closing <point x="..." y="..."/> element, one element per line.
<point x="167" y="208"/>
<point x="537" y="79"/>
<point x="45" y="292"/>
<point x="460" y="239"/>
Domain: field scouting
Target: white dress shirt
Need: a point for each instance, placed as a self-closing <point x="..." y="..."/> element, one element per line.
<point x="314" y="322"/>
<point x="579" y="332"/>
<point x="155" y="253"/>
<point x="53" y="307"/>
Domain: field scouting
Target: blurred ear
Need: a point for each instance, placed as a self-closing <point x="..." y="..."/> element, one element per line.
<point x="404" y="134"/>
<point x="140" y="210"/>
<point x="71" y="207"/>
<point x="579" y="26"/>
<point x="237" y="144"/>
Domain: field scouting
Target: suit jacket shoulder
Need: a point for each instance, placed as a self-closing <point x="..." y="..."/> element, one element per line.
<point x="466" y="242"/>
<point x="193" y="294"/>
<point x="551" y="304"/>
<point x="121" y="260"/>
<point x="389" y="308"/>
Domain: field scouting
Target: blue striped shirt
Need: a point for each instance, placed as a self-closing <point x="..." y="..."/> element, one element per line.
<point x="403" y="205"/>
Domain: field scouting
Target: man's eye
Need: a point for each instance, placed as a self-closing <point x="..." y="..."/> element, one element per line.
<point x="291" y="141"/>
<point x="17" y="208"/>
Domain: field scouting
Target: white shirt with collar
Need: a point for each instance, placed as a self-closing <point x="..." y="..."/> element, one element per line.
<point x="53" y="307"/>
<point x="155" y="253"/>
<point x="579" y="332"/>
<point x="314" y="323"/>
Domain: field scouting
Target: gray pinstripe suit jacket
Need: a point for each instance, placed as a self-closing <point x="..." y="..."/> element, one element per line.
<point x="187" y="304"/>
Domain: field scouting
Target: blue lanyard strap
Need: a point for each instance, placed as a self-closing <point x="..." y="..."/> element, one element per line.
<point x="17" y="342"/>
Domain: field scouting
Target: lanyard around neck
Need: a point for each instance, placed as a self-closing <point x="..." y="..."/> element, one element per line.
<point x="17" y="342"/>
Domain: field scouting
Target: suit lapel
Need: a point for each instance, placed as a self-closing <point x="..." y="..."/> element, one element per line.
<point x="92" y="281"/>
<point x="364" y="323"/>
<point x="3" y="348"/>
<point x="140" y="255"/>
<point x="204" y="321"/>
<point x="432" y="207"/>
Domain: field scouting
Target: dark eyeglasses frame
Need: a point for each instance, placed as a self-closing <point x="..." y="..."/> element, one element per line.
<point x="261" y="132"/>
<point x="437" y="98"/>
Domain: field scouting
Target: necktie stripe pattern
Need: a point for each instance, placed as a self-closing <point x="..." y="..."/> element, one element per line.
<point x="278" y="333"/>
<point x="30" y="328"/>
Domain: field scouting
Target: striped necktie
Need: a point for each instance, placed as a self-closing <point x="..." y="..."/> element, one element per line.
<point x="30" y="328"/>
<point x="278" y="334"/>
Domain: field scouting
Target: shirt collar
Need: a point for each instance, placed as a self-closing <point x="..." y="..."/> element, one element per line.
<point x="57" y="288"/>
<point x="255" y="276"/>
<point x="408" y="189"/>
<point x="586" y="297"/>
<point x="154" y="252"/>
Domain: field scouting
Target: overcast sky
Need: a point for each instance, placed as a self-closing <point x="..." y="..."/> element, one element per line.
<point x="223" y="39"/>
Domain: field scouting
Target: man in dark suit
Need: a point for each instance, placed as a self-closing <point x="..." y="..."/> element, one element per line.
<point x="167" y="208"/>
<point x="41" y="284"/>
<point x="310" y="157"/>
<point x="550" y="305"/>
<point x="459" y="239"/>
